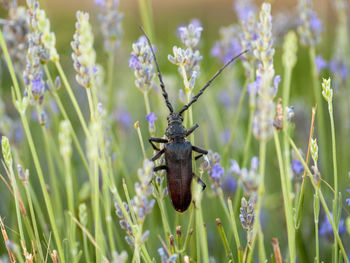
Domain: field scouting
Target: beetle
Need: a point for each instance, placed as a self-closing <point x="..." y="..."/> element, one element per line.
<point x="177" y="150"/>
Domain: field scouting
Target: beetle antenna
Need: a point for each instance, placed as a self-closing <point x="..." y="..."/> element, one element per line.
<point x="195" y="98"/>
<point x="164" y="93"/>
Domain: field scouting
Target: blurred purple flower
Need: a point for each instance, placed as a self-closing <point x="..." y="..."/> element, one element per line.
<point x="151" y="118"/>
<point x="124" y="118"/>
<point x="37" y="85"/>
<point x="217" y="171"/>
<point x="315" y="23"/>
<point x="348" y="199"/>
<point x="254" y="164"/>
<point x="229" y="184"/>
<point x="338" y="66"/>
<point x="225" y="136"/>
<point x="100" y="2"/>
<point x="326" y="229"/>
<point x="320" y="63"/>
<point x="276" y="82"/>
<point x="235" y="167"/>
<point x="297" y="167"/>
<point x="243" y="8"/>
<point x="226" y="51"/>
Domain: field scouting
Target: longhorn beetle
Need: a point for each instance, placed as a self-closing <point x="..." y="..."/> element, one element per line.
<point x="178" y="151"/>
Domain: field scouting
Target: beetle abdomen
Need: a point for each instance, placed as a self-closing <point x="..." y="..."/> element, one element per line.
<point x="178" y="157"/>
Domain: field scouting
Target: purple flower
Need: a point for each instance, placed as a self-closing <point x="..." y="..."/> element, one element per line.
<point x="320" y="63"/>
<point x="235" y="167"/>
<point x="297" y="167"/>
<point x="254" y="164"/>
<point x="134" y="63"/>
<point x="338" y="66"/>
<point x="217" y="171"/>
<point x="276" y="82"/>
<point x="315" y="23"/>
<point x="151" y="118"/>
<point x="243" y="9"/>
<point x="326" y="229"/>
<point x="37" y="85"/>
<point x="348" y="201"/>
<point x="253" y="87"/>
<point x="100" y="2"/>
<point x="229" y="184"/>
<point x="124" y="118"/>
<point x="225" y="136"/>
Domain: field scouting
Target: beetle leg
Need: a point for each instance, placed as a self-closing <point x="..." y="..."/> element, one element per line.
<point x="154" y="139"/>
<point x="199" y="150"/>
<point x="200" y="181"/>
<point x="158" y="155"/>
<point x="158" y="168"/>
<point x="198" y="156"/>
<point x="192" y="129"/>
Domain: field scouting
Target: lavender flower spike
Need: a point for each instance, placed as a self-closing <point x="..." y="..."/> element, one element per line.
<point x="111" y="27"/>
<point x="310" y="26"/>
<point x="84" y="55"/>
<point x="141" y="62"/>
<point x="264" y="51"/>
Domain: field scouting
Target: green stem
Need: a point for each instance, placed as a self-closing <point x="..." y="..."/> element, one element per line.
<point x="111" y="59"/>
<point x="236" y="118"/>
<point x="224" y="240"/>
<point x="35" y="226"/>
<point x="43" y="186"/>
<point x="146" y="17"/>
<point x="18" y="212"/>
<point x="320" y="121"/>
<point x="286" y="199"/>
<point x="72" y="97"/>
<point x="323" y="202"/>
<point x="316" y="216"/>
<point x="235" y="231"/>
<point x="65" y="115"/>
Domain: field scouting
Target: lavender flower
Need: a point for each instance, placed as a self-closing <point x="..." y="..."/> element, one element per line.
<point x="248" y="179"/>
<point x="244" y="8"/>
<point x="339" y="68"/>
<point x="38" y="22"/>
<point x="310" y="26"/>
<point x="229" y="44"/>
<point x="190" y="35"/>
<point x="320" y="63"/>
<point x="165" y="258"/>
<point x="84" y="56"/>
<point x="141" y="62"/>
<point x="188" y="58"/>
<point x="229" y="184"/>
<point x="15" y="31"/>
<point x="247" y="217"/>
<point x="264" y="116"/>
<point x="247" y="14"/>
<point x="123" y="117"/>
<point x="111" y="27"/>
<point x="212" y="165"/>
<point x="326" y="229"/>
<point x="151" y="118"/>
<point x="297" y="167"/>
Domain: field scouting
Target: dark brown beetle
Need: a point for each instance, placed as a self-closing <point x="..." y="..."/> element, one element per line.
<point x="178" y="151"/>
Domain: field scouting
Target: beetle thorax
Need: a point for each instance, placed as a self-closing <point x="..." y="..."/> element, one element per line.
<point x="175" y="129"/>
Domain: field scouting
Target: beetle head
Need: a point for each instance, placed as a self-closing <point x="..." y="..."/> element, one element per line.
<point x="175" y="128"/>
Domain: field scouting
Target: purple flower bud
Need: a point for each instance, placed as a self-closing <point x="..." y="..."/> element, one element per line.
<point x="151" y="118"/>
<point x="348" y="201"/>
<point x="276" y="82"/>
<point x="217" y="171"/>
<point x="235" y="167"/>
<point x="254" y="164"/>
<point x="253" y="87"/>
<point x="326" y="229"/>
<point x="315" y="23"/>
<point x="320" y="63"/>
<point x="229" y="184"/>
<point x="297" y="167"/>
